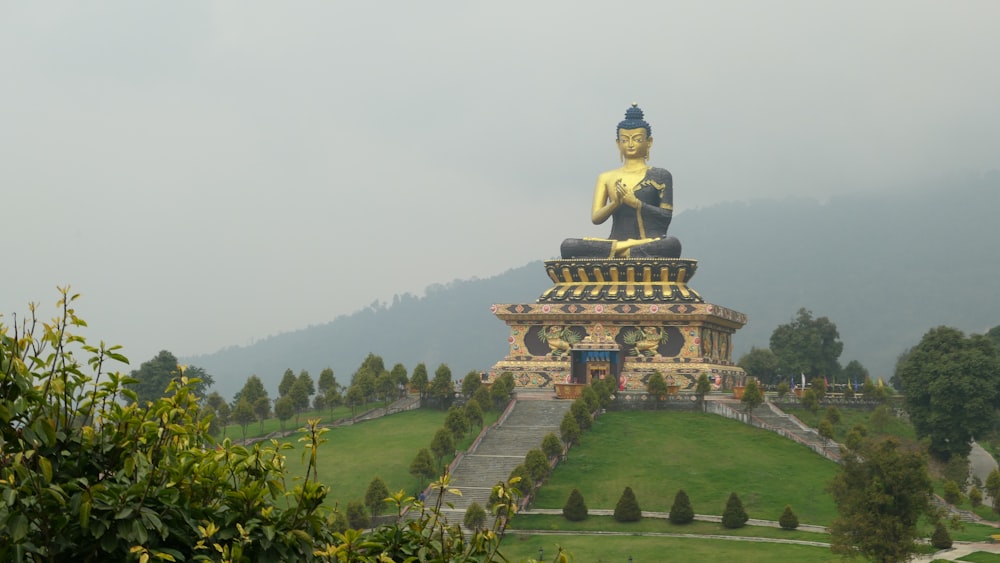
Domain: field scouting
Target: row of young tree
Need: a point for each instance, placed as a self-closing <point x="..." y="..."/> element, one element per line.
<point x="297" y="394"/>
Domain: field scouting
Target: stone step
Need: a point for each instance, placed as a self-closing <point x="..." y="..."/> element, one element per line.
<point x="501" y="450"/>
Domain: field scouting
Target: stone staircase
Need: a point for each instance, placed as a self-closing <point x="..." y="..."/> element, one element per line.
<point x="502" y="448"/>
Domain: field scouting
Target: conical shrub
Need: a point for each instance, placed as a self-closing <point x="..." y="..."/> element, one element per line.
<point x="941" y="539"/>
<point x="788" y="520"/>
<point x="575" y="510"/>
<point x="681" y="511"/>
<point x="734" y="516"/>
<point x="627" y="509"/>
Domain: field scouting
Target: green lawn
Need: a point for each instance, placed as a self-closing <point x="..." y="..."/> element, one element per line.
<point x="653" y="452"/>
<point x="981" y="557"/>
<point x="657" y="453"/>
<point x="353" y="455"/>
<point x="644" y="549"/>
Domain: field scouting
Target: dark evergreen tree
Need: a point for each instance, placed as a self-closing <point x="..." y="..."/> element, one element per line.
<point x="833" y="415"/>
<point x="753" y="396"/>
<point x="525" y="484"/>
<point x="810" y="401"/>
<point x="993" y="489"/>
<point x="419" y="381"/>
<point x="604" y="388"/>
<point x="284" y="410"/>
<point x="825" y="429"/>
<point x="339" y="524"/>
<point x="374" y="363"/>
<point x="656" y="386"/>
<point x="551" y="445"/>
<point x="375" y="496"/>
<point x="760" y="363"/>
<point x="299" y="394"/>
<point x="975" y="497"/>
<point x="501" y="389"/>
<point x="482" y="396"/>
<point x="399" y="377"/>
<point x="385" y="386"/>
<point x="627" y="509"/>
<point x="681" y="512"/>
<point x="154" y="376"/>
<point x="881" y="492"/>
<point x="589" y="396"/>
<point x="581" y="413"/>
<point x="442" y="388"/>
<point x="357" y="516"/>
<point x="575" y="509"/>
<point x="788" y="520"/>
<point x="243" y="415"/>
<point x="456" y="422"/>
<point x="952" y="493"/>
<point x="442" y="445"/>
<point x="422" y="466"/>
<point x="734" y="516"/>
<point x="252" y="390"/>
<point x="262" y="410"/>
<point x="473" y="413"/>
<point x="287" y="380"/>
<point x="941" y="539"/>
<point x="951" y="387"/>
<point x="569" y="430"/>
<point x="807" y="346"/>
<point x="702" y="388"/>
<point x="537" y="464"/>
<point x="471" y="383"/>
<point x="475" y="516"/>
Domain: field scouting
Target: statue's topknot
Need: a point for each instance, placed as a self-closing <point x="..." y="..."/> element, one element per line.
<point x="633" y="120"/>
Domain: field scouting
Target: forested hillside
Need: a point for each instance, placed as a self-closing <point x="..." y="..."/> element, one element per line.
<point x="883" y="268"/>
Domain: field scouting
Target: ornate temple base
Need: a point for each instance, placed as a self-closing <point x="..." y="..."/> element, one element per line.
<point x="620" y="318"/>
<point x="652" y="280"/>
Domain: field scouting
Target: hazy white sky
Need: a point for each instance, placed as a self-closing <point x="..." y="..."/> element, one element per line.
<point x="209" y="173"/>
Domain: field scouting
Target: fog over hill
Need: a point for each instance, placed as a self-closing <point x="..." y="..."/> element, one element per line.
<point x="884" y="268"/>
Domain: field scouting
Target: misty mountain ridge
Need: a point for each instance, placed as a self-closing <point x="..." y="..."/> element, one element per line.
<point x="884" y="267"/>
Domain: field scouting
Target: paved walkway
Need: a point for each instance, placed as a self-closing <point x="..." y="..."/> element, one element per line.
<point x="981" y="463"/>
<point x="960" y="549"/>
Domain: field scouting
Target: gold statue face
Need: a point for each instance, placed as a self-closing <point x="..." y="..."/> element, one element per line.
<point x="634" y="143"/>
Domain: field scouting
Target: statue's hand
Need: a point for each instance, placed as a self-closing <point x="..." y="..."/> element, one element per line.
<point x="625" y="195"/>
<point x="630" y="200"/>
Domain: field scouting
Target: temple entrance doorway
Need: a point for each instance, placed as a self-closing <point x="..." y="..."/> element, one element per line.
<point x="592" y="364"/>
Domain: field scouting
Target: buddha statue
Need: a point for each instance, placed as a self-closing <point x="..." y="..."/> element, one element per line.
<point x="637" y="197"/>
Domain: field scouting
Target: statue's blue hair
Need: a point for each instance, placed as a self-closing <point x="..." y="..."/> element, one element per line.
<point x="633" y="120"/>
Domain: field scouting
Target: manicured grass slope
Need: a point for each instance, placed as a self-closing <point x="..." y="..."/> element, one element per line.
<point x="384" y="447"/>
<point x="657" y="453"/>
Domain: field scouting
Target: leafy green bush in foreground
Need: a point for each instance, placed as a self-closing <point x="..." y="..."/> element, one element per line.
<point x="90" y="474"/>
